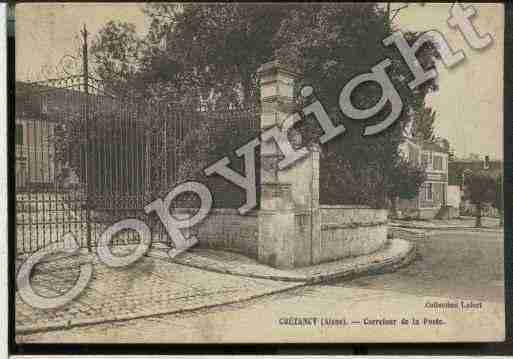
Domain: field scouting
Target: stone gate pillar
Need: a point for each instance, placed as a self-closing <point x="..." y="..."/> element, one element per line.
<point x="277" y="103"/>
<point x="289" y="205"/>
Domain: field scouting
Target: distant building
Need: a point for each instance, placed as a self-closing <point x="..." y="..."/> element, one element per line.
<point x="40" y="109"/>
<point x="432" y="195"/>
<point x="34" y="149"/>
<point x="460" y="168"/>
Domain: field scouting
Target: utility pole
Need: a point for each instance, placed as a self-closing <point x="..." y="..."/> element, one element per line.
<point x="85" y="67"/>
<point x="88" y="175"/>
<point x="390" y="17"/>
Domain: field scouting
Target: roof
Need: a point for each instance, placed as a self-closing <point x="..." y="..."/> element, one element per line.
<point x="431" y="146"/>
<point x="41" y="99"/>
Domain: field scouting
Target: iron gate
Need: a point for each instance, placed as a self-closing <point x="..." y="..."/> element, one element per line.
<point x="57" y="168"/>
<point x="85" y="159"/>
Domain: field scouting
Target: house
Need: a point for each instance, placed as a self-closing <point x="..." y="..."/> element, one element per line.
<point x="432" y="195"/>
<point x="40" y="110"/>
<point x="34" y="149"/>
<point x="460" y="168"/>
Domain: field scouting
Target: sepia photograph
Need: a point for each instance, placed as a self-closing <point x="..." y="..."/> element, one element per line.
<point x="193" y="173"/>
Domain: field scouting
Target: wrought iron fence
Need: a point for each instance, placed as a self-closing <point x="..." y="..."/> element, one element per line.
<point x="85" y="158"/>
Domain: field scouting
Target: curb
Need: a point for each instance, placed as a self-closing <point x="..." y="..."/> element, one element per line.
<point x="300" y="279"/>
<point x="448" y="228"/>
<point x="409" y="234"/>
<point x="387" y="265"/>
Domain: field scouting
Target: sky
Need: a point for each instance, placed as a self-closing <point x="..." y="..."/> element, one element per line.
<point x="469" y="103"/>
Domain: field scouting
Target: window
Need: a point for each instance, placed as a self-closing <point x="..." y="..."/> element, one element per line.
<point x="19" y="134"/>
<point x="438" y="163"/>
<point x="163" y="44"/>
<point x="44" y="105"/>
<point x="438" y="192"/>
<point x="425" y="160"/>
<point x="429" y="192"/>
<point x="413" y="155"/>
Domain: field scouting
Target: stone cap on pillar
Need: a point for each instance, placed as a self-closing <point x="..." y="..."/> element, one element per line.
<point x="277" y="81"/>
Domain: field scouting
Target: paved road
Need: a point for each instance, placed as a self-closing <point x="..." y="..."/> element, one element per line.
<point x="461" y="264"/>
<point x="450" y="266"/>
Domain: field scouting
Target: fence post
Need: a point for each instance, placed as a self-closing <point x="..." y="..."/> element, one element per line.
<point x="88" y="140"/>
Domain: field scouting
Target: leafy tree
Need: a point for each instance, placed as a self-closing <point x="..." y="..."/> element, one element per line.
<point x="423" y="122"/>
<point x="212" y="51"/>
<point x="405" y="183"/>
<point x="117" y="51"/>
<point x="481" y="189"/>
<point x="330" y="44"/>
<point x="207" y="55"/>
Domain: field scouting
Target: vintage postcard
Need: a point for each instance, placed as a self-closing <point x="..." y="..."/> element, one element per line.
<point x="259" y="173"/>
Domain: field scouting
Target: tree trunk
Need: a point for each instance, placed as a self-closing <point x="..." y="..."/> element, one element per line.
<point x="393" y="208"/>
<point x="478" y="215"/>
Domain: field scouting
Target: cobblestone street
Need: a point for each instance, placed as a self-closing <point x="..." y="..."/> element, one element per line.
<point x="150" y="286"/>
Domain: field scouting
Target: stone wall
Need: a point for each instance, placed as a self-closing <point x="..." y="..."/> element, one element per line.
<point x="293" y="229"/>
<point x="225" y="228"/>
<point x="290" y="228"/>
<point x="348" y="231"/>
<point x="428" y="213"/>
<point x="418" y="213"/>
<point x="345" y="231"/>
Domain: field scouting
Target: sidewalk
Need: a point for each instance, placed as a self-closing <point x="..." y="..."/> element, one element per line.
<point x="396" y="253"/>
<point x="149" y="287"/>
<point x="198" y="278"/>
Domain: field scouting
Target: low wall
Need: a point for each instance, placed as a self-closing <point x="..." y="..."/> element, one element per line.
<point x="428" y="213"/>
<point x="348" y="231"/>
<point x="225" y="228"/>
<point x="422" y="213"/>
